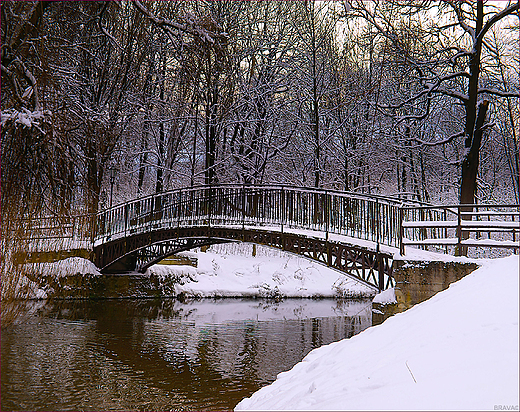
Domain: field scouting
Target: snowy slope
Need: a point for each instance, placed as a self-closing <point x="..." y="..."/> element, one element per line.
<point x="456" y="351"/>
<point x="269" y="274"/>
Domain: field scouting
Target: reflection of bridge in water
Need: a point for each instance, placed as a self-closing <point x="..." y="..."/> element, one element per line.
<point x="356" y="234"/>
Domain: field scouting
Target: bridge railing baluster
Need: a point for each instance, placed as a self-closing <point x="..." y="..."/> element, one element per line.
<point x="360" y="218"/>
<point x="306" y="209"/>
<point x="369" y="233"/>
<point x="368" y="221"/>
<point x="355" y="217"/>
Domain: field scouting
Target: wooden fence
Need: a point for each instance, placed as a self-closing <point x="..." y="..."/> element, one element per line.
<point x="455" y="228"/>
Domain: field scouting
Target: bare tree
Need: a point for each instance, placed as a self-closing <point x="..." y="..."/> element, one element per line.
<point x="453" y="67"/>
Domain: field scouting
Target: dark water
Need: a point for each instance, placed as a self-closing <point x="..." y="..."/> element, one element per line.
<point x="162" y="355"/>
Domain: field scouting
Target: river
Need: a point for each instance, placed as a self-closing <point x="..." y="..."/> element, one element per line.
<point x="162" y="354"/>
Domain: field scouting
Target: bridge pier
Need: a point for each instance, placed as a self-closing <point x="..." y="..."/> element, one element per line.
<point x="417" y="281"/>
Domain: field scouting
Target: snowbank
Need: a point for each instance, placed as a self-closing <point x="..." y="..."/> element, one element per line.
<point x="385" y="297"/>
<point x="456" y="351"/>
<point x="29" y="286"/>
<point x="224" y="271"/>
<point x="265" y="275"/>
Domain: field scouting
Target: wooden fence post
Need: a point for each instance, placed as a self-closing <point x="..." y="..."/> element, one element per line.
<point x="401" y="231"/>
<point x="458" y="250"/>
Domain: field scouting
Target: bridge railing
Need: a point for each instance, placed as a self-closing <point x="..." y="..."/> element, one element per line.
<point x="382" y="220"/>
<point x="373" y="218"/>
<point x="455" y="228"/>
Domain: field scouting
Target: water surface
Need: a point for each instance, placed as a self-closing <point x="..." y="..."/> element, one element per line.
<point x="162" y="354"/>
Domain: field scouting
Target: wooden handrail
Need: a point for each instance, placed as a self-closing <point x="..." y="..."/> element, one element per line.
<point x="438" y="224"/>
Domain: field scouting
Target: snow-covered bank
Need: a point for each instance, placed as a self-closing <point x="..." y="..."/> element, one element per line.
<point x="65" y="267"/>
<point x="232" y="271"/>
<point x="456" y="351"/>
<point x="38" y="276"/>
<point x="385" y="297"/>
<point x="222" y="271"/>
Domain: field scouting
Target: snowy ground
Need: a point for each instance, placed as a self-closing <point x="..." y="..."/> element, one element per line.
<point x="456" y="351"/>
<point x="231" y="271"/>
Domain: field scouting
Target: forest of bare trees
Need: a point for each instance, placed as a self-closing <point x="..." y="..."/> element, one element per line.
<point x="103" y="102"/>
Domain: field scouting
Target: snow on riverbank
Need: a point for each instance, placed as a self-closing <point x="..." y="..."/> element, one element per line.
<point x="385" y="297"/>
<point x="456" y="351"/>
<point x="65" y="267"/>
<point x="30" y="288"/>
<point x="232" y="271"/>
<point x="225" y="271"/>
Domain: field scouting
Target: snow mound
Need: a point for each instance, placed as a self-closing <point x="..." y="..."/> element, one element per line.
<point x="31" y="286"/>
<point x="264" y="275"/>
<point x="455" y="351"/>
<point x="65" y="267"/>
<point x="385" y="297"/>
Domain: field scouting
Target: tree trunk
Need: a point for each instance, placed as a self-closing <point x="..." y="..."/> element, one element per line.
<point x="93" y="173"/>
<point x="159" y="184"/>
<point x="470" y="163"/>
<point x="211" y="137"/>
<point x="471" y="159"/>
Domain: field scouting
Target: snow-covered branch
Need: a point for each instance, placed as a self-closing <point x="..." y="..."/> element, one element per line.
<point x="501" y="93"/>
<point x="190" y="26"/>
<point x="496" y="18"/>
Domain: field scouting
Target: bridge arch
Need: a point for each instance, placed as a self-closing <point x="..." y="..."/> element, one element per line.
<point x="134" y="235"/>
<point x="370" y="267"/>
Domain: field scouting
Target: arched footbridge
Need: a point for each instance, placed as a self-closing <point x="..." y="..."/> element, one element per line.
<point x="353" y="233"/>
<point x="356" y="234"/>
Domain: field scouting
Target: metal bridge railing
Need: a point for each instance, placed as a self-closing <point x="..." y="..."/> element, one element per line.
<point x="380" y="219"/>
<point x="373" y="218"/>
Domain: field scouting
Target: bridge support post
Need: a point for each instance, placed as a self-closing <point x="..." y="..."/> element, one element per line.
<point x="380" y="270"/>
<point x="401" y="231"/>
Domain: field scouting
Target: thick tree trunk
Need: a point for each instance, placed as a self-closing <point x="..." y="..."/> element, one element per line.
<point x="211" y="132"/>
<point x="472" y="129"/>
<point x="473" y="122"/>
<point x="470" y="164"/>
<point x="471" y="159"/>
